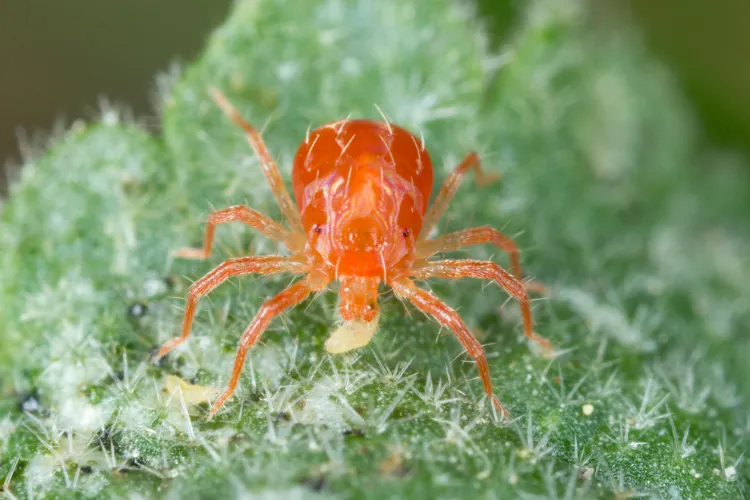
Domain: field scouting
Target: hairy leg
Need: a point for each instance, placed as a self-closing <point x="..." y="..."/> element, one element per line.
<point x="449" y="189"/>
<point x="269" y="310"/>
<point x="267" y="226"/>
<point x="218" y="275"/>
<point x="270" y="169"/>
<point x="431" y="305"/>
<point x="476" y="236"/>
<point x="489" y="271"/>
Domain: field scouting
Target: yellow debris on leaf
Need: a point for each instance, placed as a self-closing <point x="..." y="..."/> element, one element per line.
<point x="191" y="394"/>
<point x="351" y="335"/>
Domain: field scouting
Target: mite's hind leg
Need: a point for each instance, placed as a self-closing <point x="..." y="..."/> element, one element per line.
<point x="489" y="271"/>
<point x="435" y="212"/>
<point x="477" y="236"/>
<point x="222" y="272"/>
<point x="431" y="305"/>
<point x="269" y="167"/>
<point x="269" y="310"/>
<point x="264" y="224"/>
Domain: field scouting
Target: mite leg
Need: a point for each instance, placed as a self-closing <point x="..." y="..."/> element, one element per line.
<point x="449" y="189"/>
<point x="431" y="305"/>
<point x="269" y="167"/>
<point x="489" y="271"/>
<point x="267" y="226"/>
<point x="269" y="310"/>
<point x="218" y="275"/>
<point x="476" y="236"/>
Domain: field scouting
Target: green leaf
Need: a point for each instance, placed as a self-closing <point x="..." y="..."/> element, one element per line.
<point x="638" y="232"/>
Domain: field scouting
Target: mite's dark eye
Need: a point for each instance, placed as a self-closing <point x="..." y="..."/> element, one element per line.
<point x="405" y="233"/>
<point x="318" y="229"/>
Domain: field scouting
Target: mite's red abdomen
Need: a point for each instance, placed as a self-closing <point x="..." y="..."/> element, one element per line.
<point x="340" y="146"/>
<point x="362" y="189"/>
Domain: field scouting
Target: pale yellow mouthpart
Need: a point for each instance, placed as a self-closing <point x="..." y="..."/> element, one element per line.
<point x="351" y="335"/>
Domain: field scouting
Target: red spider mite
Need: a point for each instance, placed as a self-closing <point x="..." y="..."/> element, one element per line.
<point x="362" y="218"/>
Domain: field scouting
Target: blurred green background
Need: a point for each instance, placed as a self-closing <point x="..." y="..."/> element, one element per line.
<point x="59" y="58"/>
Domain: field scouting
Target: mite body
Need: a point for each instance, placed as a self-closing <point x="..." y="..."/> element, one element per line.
<point x="361" y="218"/>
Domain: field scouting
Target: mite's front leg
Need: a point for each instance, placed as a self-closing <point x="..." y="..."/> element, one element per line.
<point x="217" y="276"/>
<point x="269" y="310"/>
<point x="431" y="305"/>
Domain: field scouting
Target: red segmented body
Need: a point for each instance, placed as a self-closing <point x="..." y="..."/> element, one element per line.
<point x="362" y="218"/>
<point x="362" y="188"/>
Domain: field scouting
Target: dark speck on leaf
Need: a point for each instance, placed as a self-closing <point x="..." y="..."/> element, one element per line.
<point x="130" y="465"/>
<point x="282" y="416"/>
<point x="354" y="433"/>
<point x="162" y="361"/>
<point x="315" y="483"/>
<point x="170" y="282"/>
